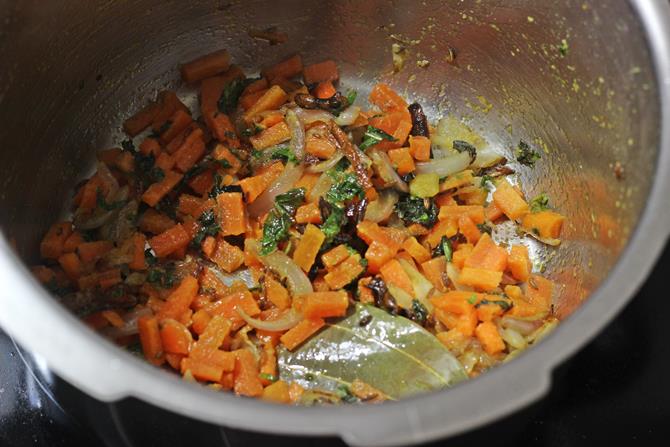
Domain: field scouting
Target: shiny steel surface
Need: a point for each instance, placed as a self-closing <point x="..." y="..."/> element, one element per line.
<point x="585" y="82"/>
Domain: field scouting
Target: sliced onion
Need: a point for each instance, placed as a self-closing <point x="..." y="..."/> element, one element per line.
<point x="453" y="275"/>
<point x="487" y="157"/>
<point x="545" y="240"/>
<point x="402" y="298"/>
<point x="290" y="319"/>
<point x="266" y="200"/>
<point x="348" y="116"/>
<point x="383" y="167"/>
<point x="445" y="166"/>
<point x="298" y="282"/>
<point x="244" y="276"/>
<point x="107" y="178"/>
<point x="322" y="185"/>
<point x="84" y="220"/>
<point x="326" y="164"/>
<point x="297" y="134"/>
<point x="310" y="116"/>
<point x="130" y="324"/>
<point x="381" y="209"/>
<point x="521" y="326"/>
<point x="422" y="287"/>
<point x="513" y="338"/>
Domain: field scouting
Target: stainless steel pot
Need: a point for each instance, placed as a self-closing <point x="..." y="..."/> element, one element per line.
<point x="587" y="82"/>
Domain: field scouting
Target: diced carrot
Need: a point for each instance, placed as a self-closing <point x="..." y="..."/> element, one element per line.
<point x="256" y="86"/>
<point x="447" y="227"/>
<point x="268" y="365"/>
<point x="255" y="185"/>
<point x="461" y="254"/>
<point x="308" y="246"/>
<point x="138" y="262"/>
<point x="277" y="392"/>
<point x="180" y="299"/>
<point x="150" y="146"/>
<point x="154" y="222"/>
<point x="109" y="156"/>
<point x="150" y="339"/>
<point x="325" y="304"/>
<point x="488" y="336"/>
<point x="345" y="272"/>
<point x="212" y="87"/>
<point x="518" y="263"/>
<point x="492" y="212"/>
<point x="402" y="160"/>
<point x="308" y="214"/>
<point x="416" y="250"/>
<point x="205" y="66"/>
<point x="228" y="257"/>
<point x="386" y="98"/>
<point x="276" y="293"/>
<point x="53" y="243"/>
<point x="158" y="190"/>
<point x="396" y="123"/>
<point x="109" y="278"/>
<point x="482" y="279"/>
<point x="248" y="100"/>
<point x="190" y="205"/>
<point x="174" y="360"/>
<point x="377" y="255"/>
<point x="113" y="318"/>
<point x="365" y="294"/>
<point x="212" y="337"/>
<point x="231" y="212"/>
<point x="474" y="212"/>
<point x="221" y="153"/>
<point x="488" y="312"/>
<point x="434" y="270"/>
<point x="419" y="147"/>
<point x="141" y="119"/>
<point x="509" y="200"/>
<point x="324" y="90"/>
<point x="90" y="252"/>
<point x="169" y="241"/>
<point x="228" y="305"/>
<point x="200" y="321"/>
<point x="301" y="332"/>
<point x="468" y="229"/>
<point x="319" y="147"/>
<point x="272" y="99"/>
<point x="179" y="121"/>
<point x="487" y="255"/>
<point x="175" y="337"/>
<point x="270" y="119"/>
<point x="222" y="128"/>
<point x="246" y="373"/>
<point x="169" y="103"/>
<point x="71" y="265"/>
<point x="325" y="71"/>
<point x="203" y="182"/>
<point x="393" y="273"/>
<point x="287" y="68"/>
<point x="271" y="136"/>
<point x="190" y="151"/>
<point x="334" y="256"/>
<point x="72" y="242"/>
<point x="370" y="231"/>
<point x="546" y="224"/>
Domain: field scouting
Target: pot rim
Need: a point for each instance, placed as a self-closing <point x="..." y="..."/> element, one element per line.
<point x="41" y="325"/>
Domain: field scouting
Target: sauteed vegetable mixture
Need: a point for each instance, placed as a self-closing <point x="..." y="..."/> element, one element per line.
<point x="292" y="242"/>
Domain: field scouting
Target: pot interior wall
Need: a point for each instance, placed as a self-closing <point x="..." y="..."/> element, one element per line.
<point x="571" y="78"/>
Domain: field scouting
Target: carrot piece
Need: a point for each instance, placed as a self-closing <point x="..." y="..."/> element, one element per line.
<point x="272" y="99"/>
<point x="179" y="121"/>
<point x="256" y="86"/>
<point x="277" y="392"/>
<point x="271" y="118"/>
<point x="203" y="182"/>
<point x="109" y="156"/>
<point x="276" y="293"/>
<point x="386" y="98"/>
<point x="325" y="304"/>
<point x="488" y="336"/>
<point x="231" y="212"/>
<point x="319" y="147"/>
<point x="271" y="136"/>
<point x="175" y="337"/>
<point x="377" y="255"/>
<point x="345" y="272"/>
<point x="402" y="160"/>
<point x="396" y="123"/>
<point x="308" y="214"/>
<point x="325" y="71"/>
<point x="246" y="373"/>
<point x="53" y="243"/>
<point x="150" y="339"/>
<point x="179" y="300"/>
<point x="249" y="99"/>
<point x="419" y="147"/>
<point x="546" y="224"/>
<point x="301" y="332"/>
<point x="227" y="306"/>
<point x="169" y="103"/>
<point x="255" y="185"/>
<point x="212" y="87"/>
<point x="200" y="321"/>
<point x="72" y="242"/>
<point x="44" y="274"/>
<point x="492" y="212"/>
<point x="370" y="231"/>
<point x="212" y="337"/>
<point x="287" y="68"/>
<point x="190" y="151"/>
<point x="90" y="252"/>
<point x="434" y="270"/>
<point x="393" y="273"/>
<point x="468" y="229"/>
<point x="334" y="256"/>
<point x="222" y="128"/>
<point x="483" y="279"/>
<point x="154" y="222"/>
<point x="174" y="360"/>
<point x="416" y="250"/>
<point x="461" y="254"/>
<point x="308" y="246"/>
<point x="268" y="366"/>
<point x="207" y="371"/>
<point x="190" y="205"/>
<point x="228" y="257"/>
<point x="445" y="227"/>
<point x="141" y="119"/>
<point x="324" y="90"/>
<point x="222" y="154"/>
<point x="71" y="265"/>
<point x="169" y="241"/>
<point x="150" y="146"/>
<point x="474" y="212"/>
<point x="487" y="255"/>
<point x="158" y="190"/>
<point x="138" y="262"/>
<point x="488" y="312"/>
<point x="509" y="200"/>
<point x="518" y="263"/>
<point x="205" y="66"/>
<point x="113" y="318"/>
<point x="365" y="294"/>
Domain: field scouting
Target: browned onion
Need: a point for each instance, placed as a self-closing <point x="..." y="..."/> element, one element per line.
<point x="380" y="209"/>
<point x="326" y="164"/>
<point x="382" y="164"/>
<point x="287" y="321"/>
<point x="266" y="200"/>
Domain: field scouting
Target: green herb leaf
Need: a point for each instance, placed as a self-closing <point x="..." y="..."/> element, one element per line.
<point x="225" y="164"/>
<point x="419" y="312"/>
<point x="251" y="131"/>
<point x="284" y="153"/>
<point x="486" y="182"/>
<point x="345" y="188"/>
<point x="413" y="210"/>
<point x="150" y="257"/>
<point x="402" y="357"/>
<point x="506" y="305"/>
<point x="351" y="96"/>
<point x="447" y="248"/>
<point x="526" y="155"/>
<point x="290" y="200"/>
<point x="539" y="203"/>
<point x="344" y="393"/>
<point x="563" y="47"/>
<point x="373" y="136"/>
<point x="464" y="146"/>
<point x="332" y="225"/>
<point x="219" y="187"/>
<point x="208" y="227"/>
<point x="279" y="221"/>
<point x="270" y="377"/>
<point x="472" y="299"/>
<point x="231" y="94"/>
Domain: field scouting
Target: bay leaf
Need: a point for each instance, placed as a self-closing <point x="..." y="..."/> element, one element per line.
<point x="391" y="353"/>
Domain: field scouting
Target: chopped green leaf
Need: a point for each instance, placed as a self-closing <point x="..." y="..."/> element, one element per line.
<point x="150" y="257"/>
<point x="472" y="299"/>
<point x="290" y="200"/>
<point x="539" y="203"/>
<point x="447" y="248"/>
<point x="351" y="96"/>
<point x="506" y="305"/>
<point x="373" y="136"/>
<point x="344" y="393"/>
<point x="208" y="227"/>
<point x="486" y="182"/>
<point x="277" y="225"/>
<point x="225" y="164"/>
<point x="219" y="187"/>
<point x="526" y="155"/>
<point x="563" y="47"/>
<point x="345" y="188"/>
<point x="270" y="377"/>
<point x="417" y="210"/>
<point x="231" y="94"/>
<point x="419" y="312"/>
<point x="284" y="153"/>
<point x="464" y="146"/>
<point x="331" y="227"/>
<point x="251" y="131"/>
<point x="485" y="228"/>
